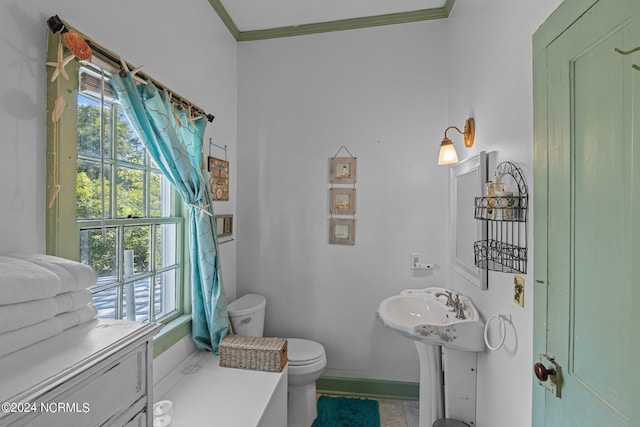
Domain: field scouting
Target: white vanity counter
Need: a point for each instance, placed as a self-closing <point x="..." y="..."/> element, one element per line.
<point x="203" y="393"/>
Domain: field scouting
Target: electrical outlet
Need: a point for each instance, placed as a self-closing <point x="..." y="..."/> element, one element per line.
<point x="518" y="290"/>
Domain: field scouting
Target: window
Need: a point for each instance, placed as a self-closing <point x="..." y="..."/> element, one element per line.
<point x="124" y="218"/>
<point x="135" y="255"/>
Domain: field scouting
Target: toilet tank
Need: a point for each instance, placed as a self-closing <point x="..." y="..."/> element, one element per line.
<point x="247" y="315"/>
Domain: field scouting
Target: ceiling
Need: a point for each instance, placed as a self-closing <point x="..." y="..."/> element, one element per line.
<point x="263" y="19"/>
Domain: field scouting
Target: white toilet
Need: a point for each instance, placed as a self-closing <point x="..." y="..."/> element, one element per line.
<point x="307" y="359"/>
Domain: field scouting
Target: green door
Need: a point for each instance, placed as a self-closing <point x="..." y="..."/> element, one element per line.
<point x="587" y="218"/>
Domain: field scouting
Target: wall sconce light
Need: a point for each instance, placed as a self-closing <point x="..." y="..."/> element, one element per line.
<point x="448" y="153"/>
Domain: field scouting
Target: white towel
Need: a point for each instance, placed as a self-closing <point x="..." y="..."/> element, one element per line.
<point x="24" y="337"/>
<point x="20" y="315"/>
<point x="70" y="301"/>
<point x="74" y="275"/>
<point x="77" y="317"/>
<point x="21" y="281"/>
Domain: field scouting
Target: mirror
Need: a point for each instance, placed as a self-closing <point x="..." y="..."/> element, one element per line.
<point x="467" y="179"/>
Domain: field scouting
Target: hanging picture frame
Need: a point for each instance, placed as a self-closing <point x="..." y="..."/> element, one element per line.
<point x="219" y="179"/>
<point x="343" y="201"/>
<point x="343" y="170"/>
<point x="342" y="231"/>
<point x="224" y="225"/>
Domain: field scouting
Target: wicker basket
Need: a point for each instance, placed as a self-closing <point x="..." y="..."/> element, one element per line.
<point x="255" y="353"/>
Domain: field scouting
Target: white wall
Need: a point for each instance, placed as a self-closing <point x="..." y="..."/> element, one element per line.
<point x="167" y="36"/>
<point x="381" y="92"/>
<point x="491" y="79"/>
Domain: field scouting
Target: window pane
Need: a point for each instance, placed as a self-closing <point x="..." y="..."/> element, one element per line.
<point x="156" y="195"/>
<point x="89" y="127"/>
<point x="136" y="300"/>
<point x="166" y="245"/>
<point x="165" y="293"/>
<point x="130" y="193"/>
<point x="98" y="252"/>
<point x="137" y="239"/>
<point x="89" y="190"/>
<point x="129" y="147"/>
<point x="105" y="303"/>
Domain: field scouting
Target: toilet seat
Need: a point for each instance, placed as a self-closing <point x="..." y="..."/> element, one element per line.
<point x="302" y="352"/>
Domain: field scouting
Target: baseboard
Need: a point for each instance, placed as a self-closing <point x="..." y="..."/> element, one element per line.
<point x="368" y="388"/>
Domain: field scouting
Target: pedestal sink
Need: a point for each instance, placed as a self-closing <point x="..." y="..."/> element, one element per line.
<point x="433" y="317"/>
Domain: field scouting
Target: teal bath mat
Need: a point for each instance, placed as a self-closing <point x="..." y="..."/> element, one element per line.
<point x="347" y="412"/>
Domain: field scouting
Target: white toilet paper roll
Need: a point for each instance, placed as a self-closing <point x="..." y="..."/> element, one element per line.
<point x="163" y="407"/>
<point x="162" y="421"/>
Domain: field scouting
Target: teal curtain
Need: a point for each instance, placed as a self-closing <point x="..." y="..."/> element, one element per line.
<point x="175" y="144"/>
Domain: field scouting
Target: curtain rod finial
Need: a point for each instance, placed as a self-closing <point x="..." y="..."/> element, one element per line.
<point x="210" y="117"/>
<point x="55" y="24"/>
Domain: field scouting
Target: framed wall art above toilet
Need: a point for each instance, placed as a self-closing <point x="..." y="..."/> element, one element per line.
<point x="342" y="199"/>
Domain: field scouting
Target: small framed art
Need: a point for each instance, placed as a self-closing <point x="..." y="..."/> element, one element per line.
<point x="343" y="201"/>
<point x="342" y="231"/>
<point x="219" y="179"/>
<point x="518" y="290"/>
<point x="224" y="225"/>
<point x="343" y="170"/>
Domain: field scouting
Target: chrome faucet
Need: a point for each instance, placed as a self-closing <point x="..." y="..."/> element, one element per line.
<point x="458" y="307"/>
<point x="447" y="294"/>
<point x="455" y="303"/>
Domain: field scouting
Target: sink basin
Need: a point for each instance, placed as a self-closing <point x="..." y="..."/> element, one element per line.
<point x="422" y="316"/>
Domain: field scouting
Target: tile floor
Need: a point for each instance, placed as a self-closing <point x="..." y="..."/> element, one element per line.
<point x="397" y="413"/>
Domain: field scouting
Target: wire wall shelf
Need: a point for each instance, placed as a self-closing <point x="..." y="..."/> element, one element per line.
<point x="500" y="256"/>
<point x="502" y="208"/>
<point x="505" y="248"/>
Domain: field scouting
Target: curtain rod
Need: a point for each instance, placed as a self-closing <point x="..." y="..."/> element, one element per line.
<point x="56" y="25"/>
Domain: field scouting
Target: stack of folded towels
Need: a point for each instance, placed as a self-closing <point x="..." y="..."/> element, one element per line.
<point x="41" y="296"/>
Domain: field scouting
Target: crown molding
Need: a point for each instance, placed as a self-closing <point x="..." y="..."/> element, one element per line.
<point x="324" y="27"/>
<point x="225" y="18"/>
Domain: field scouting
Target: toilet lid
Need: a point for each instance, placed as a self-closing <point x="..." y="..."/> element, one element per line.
<point x="304" y="352"/>
<point x="246" y="304"/>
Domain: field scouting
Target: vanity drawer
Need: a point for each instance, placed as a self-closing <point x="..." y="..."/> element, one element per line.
<point x="101" y="396"/>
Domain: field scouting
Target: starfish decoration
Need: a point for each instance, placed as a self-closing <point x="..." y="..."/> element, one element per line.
<point x="133" y="72"/>
<point x="202" y="209"/>
<point x="60" y="64"/>
<point x="193" y="119"/>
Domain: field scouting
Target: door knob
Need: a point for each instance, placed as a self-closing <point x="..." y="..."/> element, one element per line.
<point x="542" y="373"/>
